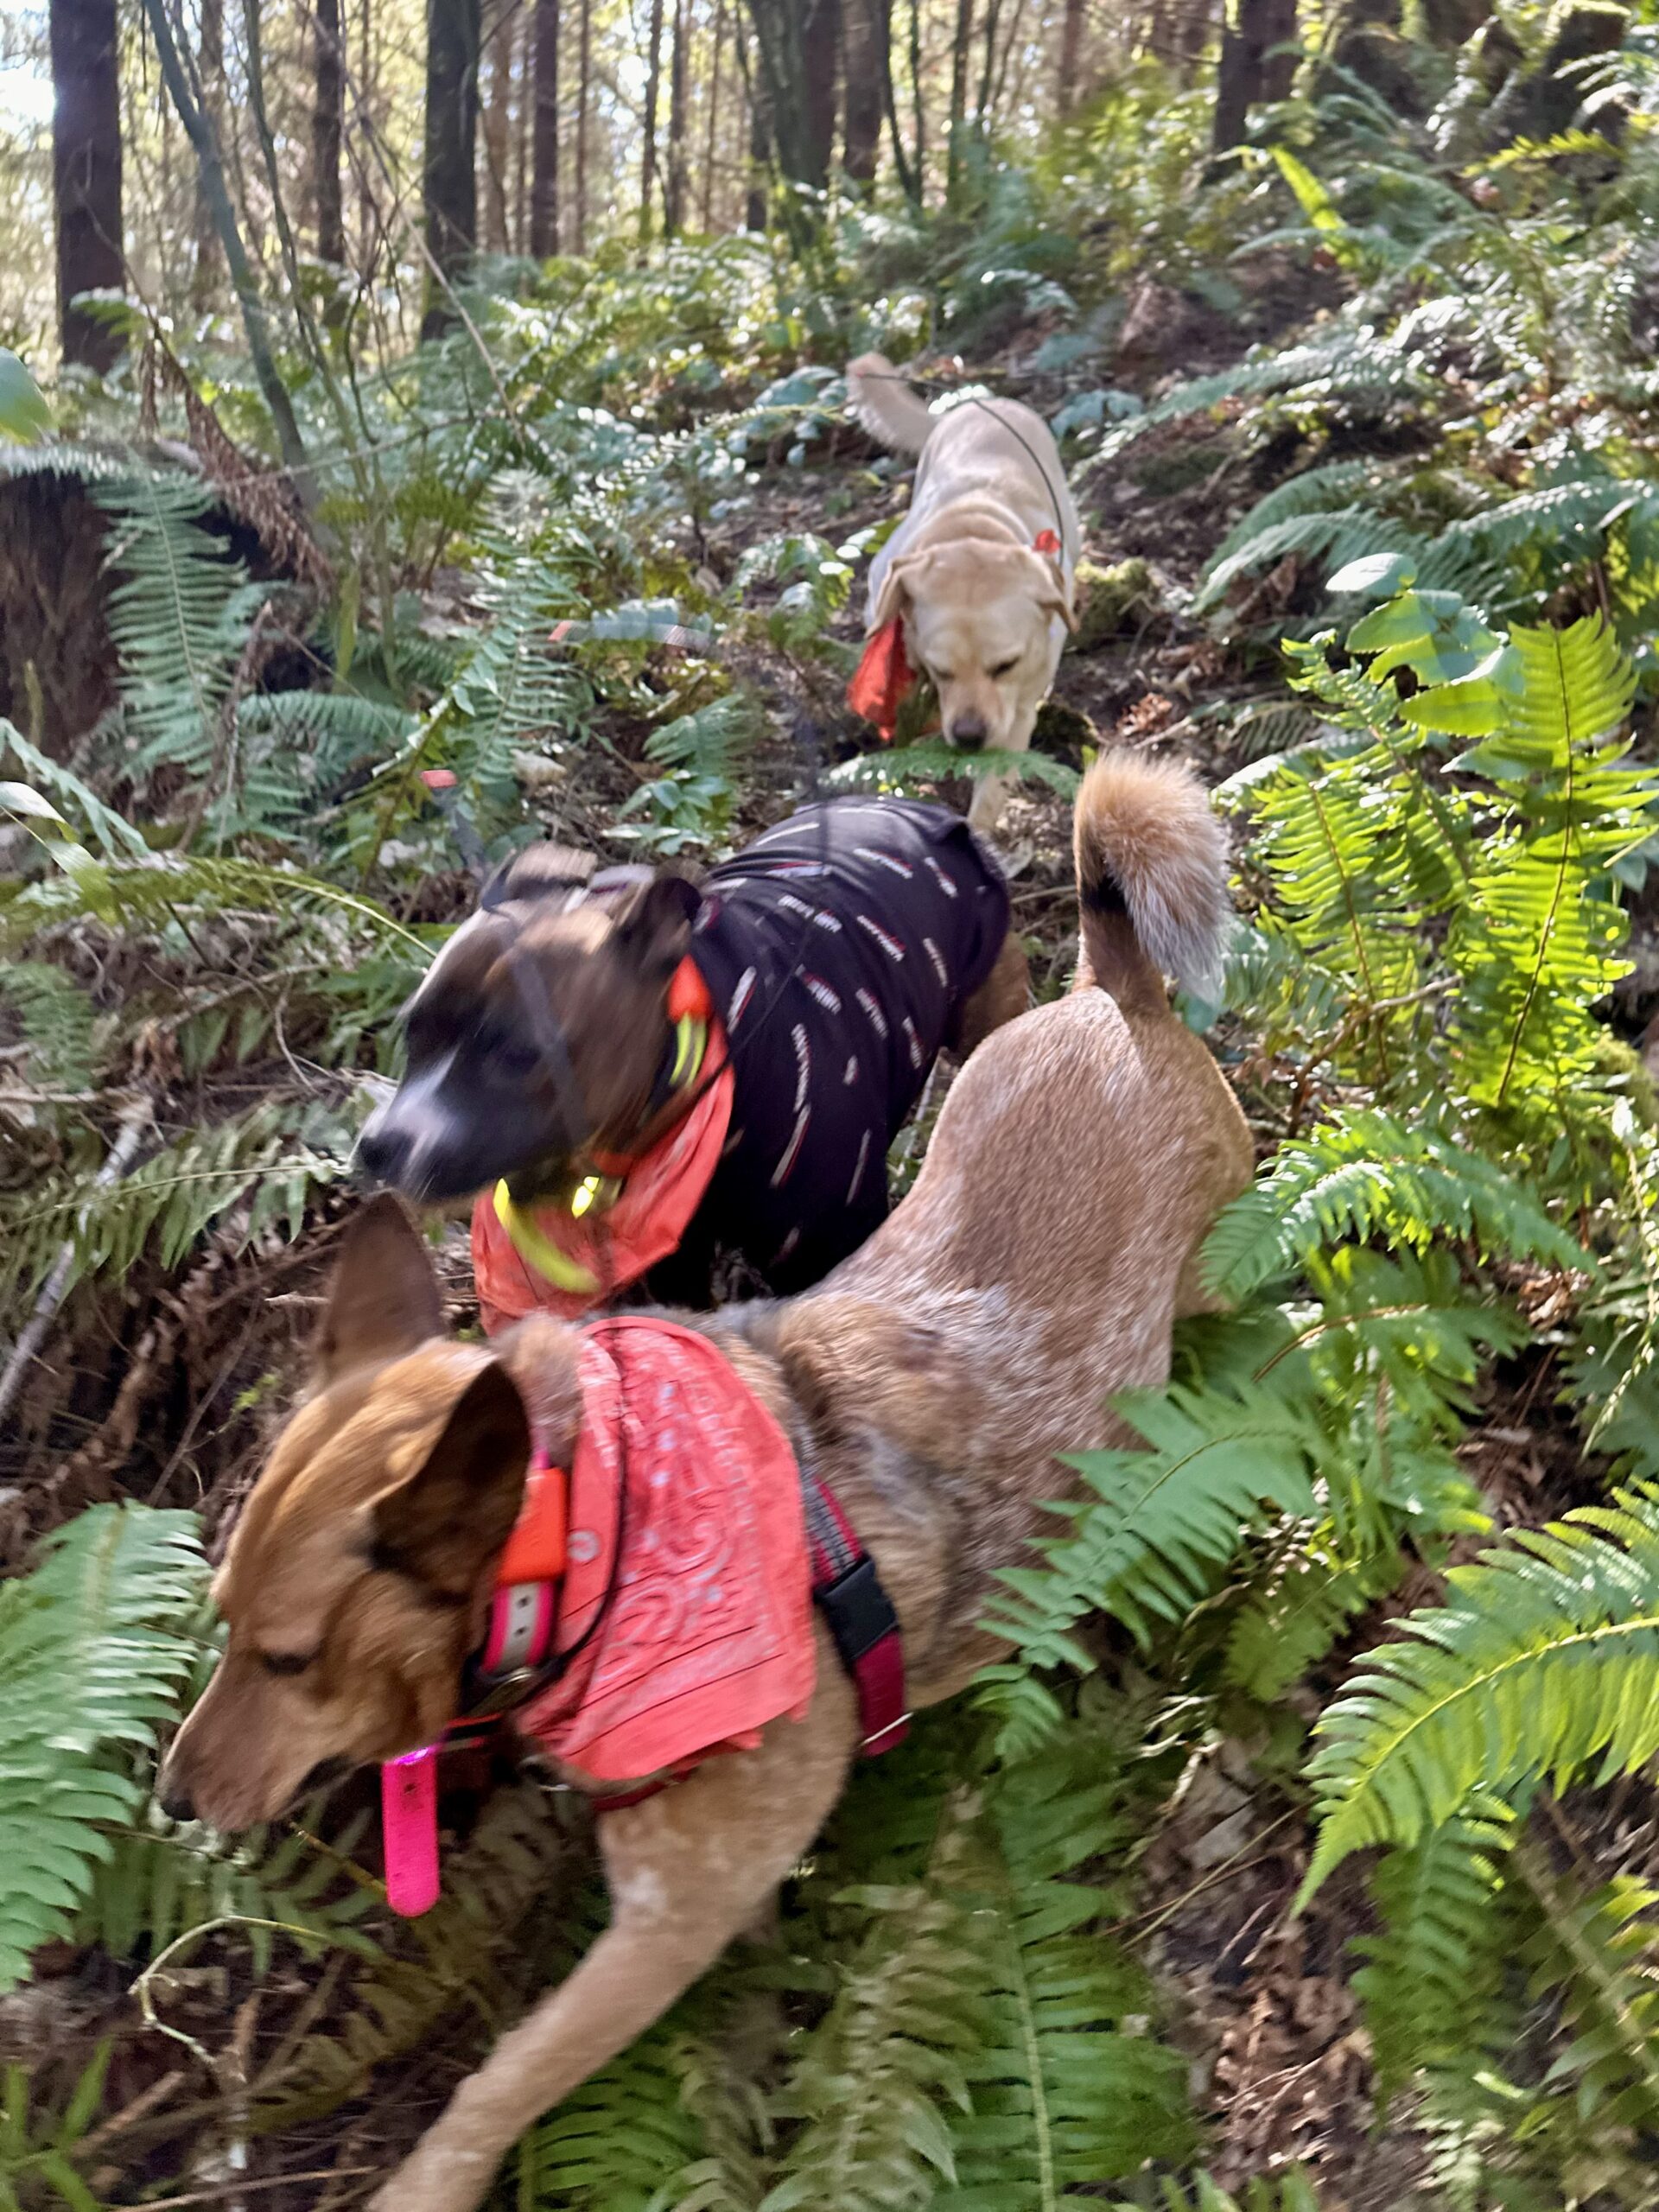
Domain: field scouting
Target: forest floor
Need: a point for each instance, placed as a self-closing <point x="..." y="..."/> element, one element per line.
<point x="1260" y="1999"/>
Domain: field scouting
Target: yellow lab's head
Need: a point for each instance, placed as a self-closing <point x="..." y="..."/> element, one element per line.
<point x="978" y="621"/>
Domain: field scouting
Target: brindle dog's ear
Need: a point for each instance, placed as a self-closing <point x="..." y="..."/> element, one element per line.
<point x="384" y="1300"/>
<point x="445" y="1524"/>
<point x="538" y="872"/>
<point x="654" y="923"/>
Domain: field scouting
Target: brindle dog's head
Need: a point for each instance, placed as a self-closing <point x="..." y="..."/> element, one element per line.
<point x="360" y="1576"/>
<point x="537" y="1033"/>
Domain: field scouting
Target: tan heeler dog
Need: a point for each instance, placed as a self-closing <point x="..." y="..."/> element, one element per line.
<point x="930" y="1383"/>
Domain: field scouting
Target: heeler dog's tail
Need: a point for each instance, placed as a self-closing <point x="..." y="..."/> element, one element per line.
<point x="878" y="397"/>
<point x="1152" y="879"/>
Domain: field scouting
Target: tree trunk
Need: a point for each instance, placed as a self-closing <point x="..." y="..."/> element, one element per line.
<point x="1071" y="58"/>
<point x="522" y="116"/>
<point x="648" y="158"/>
<point x="820" y="58"/>
<point x="988" y="73"/>
<point x="754" y="199"/>
<point x="1278" y="55"/>
<point x="868" y="30"/>
<point x="674" y="198"/>
<point x="1238" y="81"/>
<point x="544" y="158"/>
<point x="328" y="130"/>
<point x="797" y="47"/>
<point x="256" y="326"/>
<point x="960" y="45"/>
<point x="498" y="130"/>
<point x="584" y="94"/>
<point x="86" y="172"/>
<point x="449" y="175"/>
<point x="210" y="75"/>
<point x="918" y="100"/>
<point x="711" y="135"/>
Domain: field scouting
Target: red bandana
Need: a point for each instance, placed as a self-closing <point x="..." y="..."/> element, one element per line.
<point x="664" y="1188"/>
<point x="882" y="679"/>
<point x="709" y="1632"/>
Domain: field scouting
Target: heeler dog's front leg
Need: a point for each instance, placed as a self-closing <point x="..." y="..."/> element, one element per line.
<point x="688" y="1871"/>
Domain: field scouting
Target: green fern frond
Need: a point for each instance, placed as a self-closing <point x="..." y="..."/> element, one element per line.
<point x="1596" y="1953"/>
<point x="332" y="732"/>
<point x="624" y="2141"/>
<point x="1367" y="1174"/>
<point x="1293" y="1614"/>
<point x="1333" y="539"/>
<point x="1545" y="1661"/>
<point x="1156" y="1524"/>
<point x="271" y="1157"/>
<point x="1433" y="1983"/>
<point x="1287" y="2192"/>
<point x="901" y="768"/>
<point x="1062" y="2097"/>
<point x="92" y="1653"/>
<point x="161" y="1880"/>
<point x="712" y="741"/>
<point x="1540" y="941"/>
<point x="58" y="1022"/>
<point x="873" y="2084"/>
<point x="180" y="616"/>
<point x="38" y="2148"/>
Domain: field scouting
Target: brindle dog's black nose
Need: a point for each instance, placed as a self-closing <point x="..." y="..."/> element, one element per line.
<point x="382" y="1151"/>
<point x="968" y="732"/>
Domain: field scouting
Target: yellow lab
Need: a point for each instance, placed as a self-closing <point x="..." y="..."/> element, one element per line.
<point x="979" y="574"/>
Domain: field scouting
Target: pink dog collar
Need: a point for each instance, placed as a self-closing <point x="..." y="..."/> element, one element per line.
<point x="524" y="1614"/>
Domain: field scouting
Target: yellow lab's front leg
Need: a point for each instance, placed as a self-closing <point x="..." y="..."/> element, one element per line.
<point x="688" y="1871"/>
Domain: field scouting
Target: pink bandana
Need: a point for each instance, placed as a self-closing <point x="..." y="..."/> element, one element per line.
<point x="707" y="1633"/>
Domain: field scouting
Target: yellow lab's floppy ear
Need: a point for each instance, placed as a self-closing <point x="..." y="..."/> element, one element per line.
<point x="895" y="591"/>
<point x="384" y="1300"/>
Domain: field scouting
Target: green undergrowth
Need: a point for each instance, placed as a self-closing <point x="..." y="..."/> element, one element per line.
<point x="1441" y="821"/>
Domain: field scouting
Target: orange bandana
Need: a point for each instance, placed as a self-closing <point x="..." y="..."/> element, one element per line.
<point x="882" y="679"/>
<point x="663" y="1189"/>
<point x="701" y="1630"/>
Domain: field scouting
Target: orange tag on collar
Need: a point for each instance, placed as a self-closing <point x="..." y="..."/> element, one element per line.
<point x="536" y="1549"/>
<point x="882" y="678"/>
<point x="688" y="994"/>
<point x="1047" y="541"/>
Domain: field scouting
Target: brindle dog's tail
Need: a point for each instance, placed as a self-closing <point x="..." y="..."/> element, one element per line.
<point x="1152" y="880"/>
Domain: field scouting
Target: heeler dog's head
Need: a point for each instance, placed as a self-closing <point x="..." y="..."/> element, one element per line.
<point x="360" y="1576"/>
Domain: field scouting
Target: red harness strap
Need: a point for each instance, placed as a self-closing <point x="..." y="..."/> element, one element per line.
<point x="859" y="1615"/>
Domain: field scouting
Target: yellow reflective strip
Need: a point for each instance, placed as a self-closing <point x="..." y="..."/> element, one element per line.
<point x="538" y="1251"/>
<point x="691" y="1042"/>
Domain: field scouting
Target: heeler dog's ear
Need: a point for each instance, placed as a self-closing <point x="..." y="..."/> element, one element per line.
<point x="384" y="1300"/>
<point x="653" y="924"/>
<point x="447" y="1521"/>
<point x="539" y="872"/>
